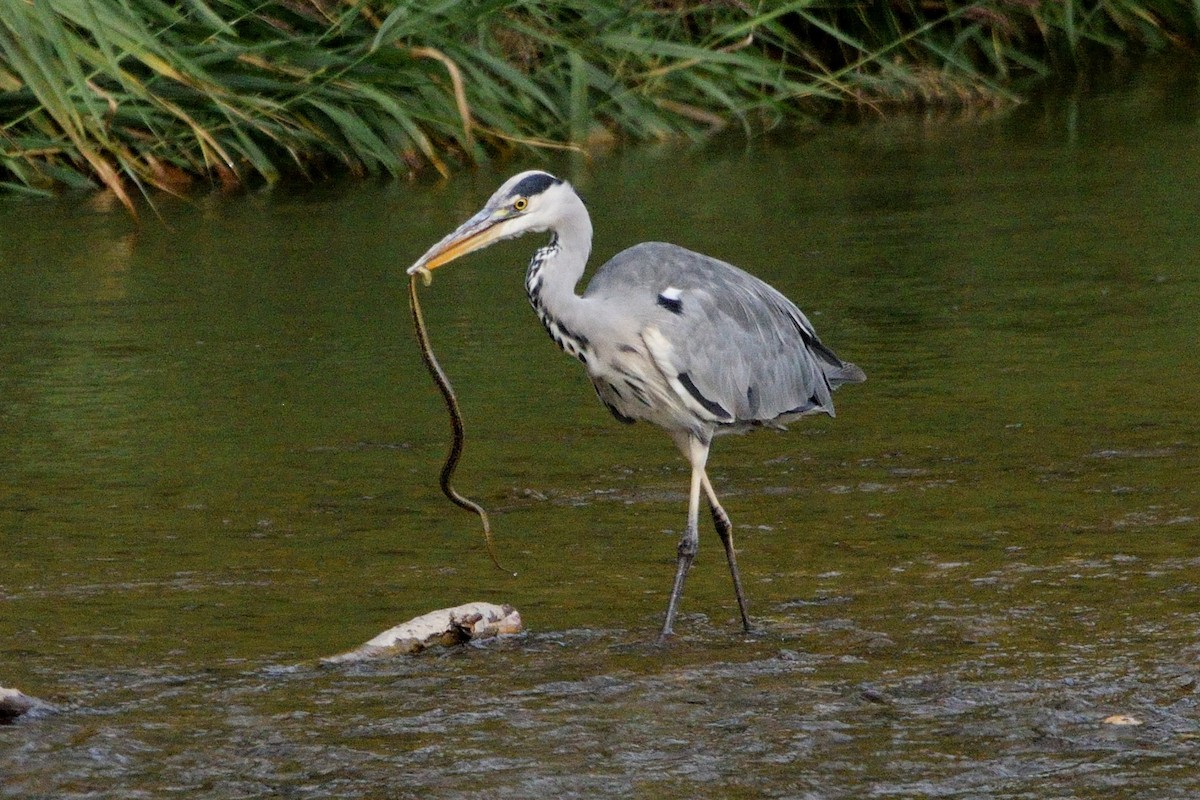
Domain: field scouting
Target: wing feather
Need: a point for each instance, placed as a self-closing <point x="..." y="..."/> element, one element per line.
<point x="735" y="343"/>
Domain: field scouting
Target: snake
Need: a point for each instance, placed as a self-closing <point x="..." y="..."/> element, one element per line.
<point x="456" y="418"/>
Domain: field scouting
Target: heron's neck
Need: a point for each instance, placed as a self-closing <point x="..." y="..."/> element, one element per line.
<point x="552" y="276"/>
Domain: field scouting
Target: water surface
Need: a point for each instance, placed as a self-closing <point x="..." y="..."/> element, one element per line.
<point x="218" y="459"/>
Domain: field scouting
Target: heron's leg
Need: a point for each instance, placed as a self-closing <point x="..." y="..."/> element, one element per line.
<point x="696" y="453"/>
<point x="725" y="531"/>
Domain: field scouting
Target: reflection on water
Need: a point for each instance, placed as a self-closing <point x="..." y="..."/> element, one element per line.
<point x="218" y="457"/>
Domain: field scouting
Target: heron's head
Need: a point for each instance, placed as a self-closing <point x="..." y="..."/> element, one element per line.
<point x="530" y="201"/>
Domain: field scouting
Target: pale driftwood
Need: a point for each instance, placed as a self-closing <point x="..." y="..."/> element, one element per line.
<point x="447" y="626"/>
<point x="15" y="704"/>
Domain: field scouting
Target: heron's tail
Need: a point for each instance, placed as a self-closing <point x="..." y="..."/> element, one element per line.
<point x="844" y="373"/>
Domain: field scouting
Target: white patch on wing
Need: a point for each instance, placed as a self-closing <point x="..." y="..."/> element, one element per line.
<point x="660" y="348"/>
<point x="671" y="299"/>
<point x="686" y="407"/>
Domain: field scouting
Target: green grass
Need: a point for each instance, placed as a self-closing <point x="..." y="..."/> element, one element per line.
<point x="136" y="95"/>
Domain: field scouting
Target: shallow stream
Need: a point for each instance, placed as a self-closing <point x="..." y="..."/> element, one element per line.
<point x="219" y="451"/>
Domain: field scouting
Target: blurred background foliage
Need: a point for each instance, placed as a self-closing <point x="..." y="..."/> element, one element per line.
<point x="136" y="95"/>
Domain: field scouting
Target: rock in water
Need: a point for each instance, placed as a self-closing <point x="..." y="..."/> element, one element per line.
<point x="15" y="704"/>
<point x="447" y="626"/>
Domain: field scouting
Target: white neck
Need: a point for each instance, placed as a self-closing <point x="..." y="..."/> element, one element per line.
<point x="554" y="272"/>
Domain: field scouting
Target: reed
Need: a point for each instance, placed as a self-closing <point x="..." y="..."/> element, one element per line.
<point x="138" y="95"/>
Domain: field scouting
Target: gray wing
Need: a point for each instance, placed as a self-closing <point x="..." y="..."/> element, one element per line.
<point x="743" y="350"/>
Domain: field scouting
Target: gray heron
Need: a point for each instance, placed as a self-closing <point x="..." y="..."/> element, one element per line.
<point x="667" y="336"/>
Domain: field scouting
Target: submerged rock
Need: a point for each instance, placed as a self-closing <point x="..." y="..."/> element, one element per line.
<point x="447" y="626"/>
<point x="14" y="704"/>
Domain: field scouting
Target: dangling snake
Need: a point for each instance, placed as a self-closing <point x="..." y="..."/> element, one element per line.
<point x="456" y="422"/>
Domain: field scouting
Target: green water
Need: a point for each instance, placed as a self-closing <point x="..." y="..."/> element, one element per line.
<point x="219" y="449"/>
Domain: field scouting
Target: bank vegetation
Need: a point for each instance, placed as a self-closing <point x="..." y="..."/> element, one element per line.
<point x="142" y="95"/>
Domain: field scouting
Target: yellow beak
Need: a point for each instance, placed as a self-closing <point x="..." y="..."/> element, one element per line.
<point x="475" y="234"/>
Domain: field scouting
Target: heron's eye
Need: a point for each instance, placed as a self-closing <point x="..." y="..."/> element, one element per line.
<point x="520" y="204"/>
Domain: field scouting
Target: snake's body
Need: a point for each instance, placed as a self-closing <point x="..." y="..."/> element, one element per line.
<point x="456" y="422"/>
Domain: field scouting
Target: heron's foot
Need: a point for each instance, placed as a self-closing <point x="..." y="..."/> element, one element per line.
<point x="688" y="546"/>
<point x="668" y="629"/>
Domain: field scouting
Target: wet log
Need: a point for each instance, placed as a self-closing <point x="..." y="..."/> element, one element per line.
<point x="14" y="704"/>
<point x="447" y="626"/>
